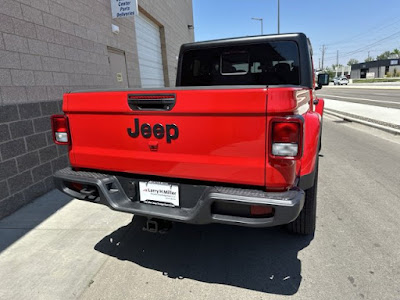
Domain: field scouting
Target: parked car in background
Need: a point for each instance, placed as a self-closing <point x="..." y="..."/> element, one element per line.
<point x="340" y="81"/>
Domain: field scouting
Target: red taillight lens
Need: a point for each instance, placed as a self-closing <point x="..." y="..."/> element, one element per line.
<point x="286" y="132"/>
<point x="59" y="125"/>
<point x="286" y="138"/>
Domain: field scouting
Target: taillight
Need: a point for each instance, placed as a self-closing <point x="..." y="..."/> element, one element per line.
<point x="286" y="136"/>
<point x="59" y="125"/>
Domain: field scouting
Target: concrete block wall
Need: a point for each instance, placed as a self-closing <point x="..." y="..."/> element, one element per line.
<point x="382" y="72"/>
<point x="355" y="74"/>
<point x="48" y="47"/>
<point x="28" y="155"/>
<point x="374" y="70"/>
<point x="392" y="68"/>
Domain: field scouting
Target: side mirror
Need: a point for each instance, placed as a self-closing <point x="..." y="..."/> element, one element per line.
<point x="323" y="79"/>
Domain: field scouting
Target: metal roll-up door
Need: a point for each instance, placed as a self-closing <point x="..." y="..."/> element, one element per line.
<point x="149" y="51"/>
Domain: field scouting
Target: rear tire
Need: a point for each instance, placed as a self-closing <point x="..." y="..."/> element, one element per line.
<point x="305" y="222"/>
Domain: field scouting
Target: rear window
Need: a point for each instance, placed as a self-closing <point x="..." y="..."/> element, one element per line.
<point x="273" y="63"/>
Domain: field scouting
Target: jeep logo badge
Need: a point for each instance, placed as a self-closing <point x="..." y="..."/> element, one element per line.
<point x="170" y="132"/>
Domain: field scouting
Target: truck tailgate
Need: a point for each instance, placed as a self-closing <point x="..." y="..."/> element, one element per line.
<point x="209" y="134"/>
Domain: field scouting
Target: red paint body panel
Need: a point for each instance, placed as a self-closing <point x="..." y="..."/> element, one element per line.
<point x="223" y="135"/>
<point x="282" y="174"/>
<point x="282" y="101"/>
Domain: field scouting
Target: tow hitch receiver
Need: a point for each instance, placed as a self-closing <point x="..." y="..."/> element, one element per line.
<point x="90" y="193"/>
<point x="157" y="226"/>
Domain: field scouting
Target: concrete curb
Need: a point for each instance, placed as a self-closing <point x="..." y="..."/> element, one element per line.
<point x="370" y="124"/>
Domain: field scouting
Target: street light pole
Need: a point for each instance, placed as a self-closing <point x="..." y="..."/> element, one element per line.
<point x="279" y="21"/>
<point x="262" y="24"/>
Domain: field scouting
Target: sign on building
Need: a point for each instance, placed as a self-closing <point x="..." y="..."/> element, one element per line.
<point x="370" y="75"/>
<point x="124" y="8"/>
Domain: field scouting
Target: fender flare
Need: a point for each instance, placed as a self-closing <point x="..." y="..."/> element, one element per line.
<point x="319" y="108"/>
<point x="312" y="134"/>
<point x="319" y="105"/>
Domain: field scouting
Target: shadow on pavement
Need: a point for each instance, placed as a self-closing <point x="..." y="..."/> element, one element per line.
<point x="16" y="225"/>
<point x="263" y="260"/>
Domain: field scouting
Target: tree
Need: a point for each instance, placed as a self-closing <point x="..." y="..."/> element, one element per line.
<point x="396" y="53"/>
<point x="369" y="58"/>
<point x="384" y="55"/>
<point x="330" y="72"/>
<point x="352" y="61"/>
<point x="335" y="66"/>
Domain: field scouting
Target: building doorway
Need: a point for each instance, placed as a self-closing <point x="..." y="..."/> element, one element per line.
<point x="117" y="62"/>
<point x="148" y="40"/>
<point x="363" y="73"/>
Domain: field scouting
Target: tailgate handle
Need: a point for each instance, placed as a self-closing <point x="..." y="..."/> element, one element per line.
<point x="152" y="102"/>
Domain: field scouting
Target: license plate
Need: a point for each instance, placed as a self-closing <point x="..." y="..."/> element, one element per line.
<point x="159" y="193"/>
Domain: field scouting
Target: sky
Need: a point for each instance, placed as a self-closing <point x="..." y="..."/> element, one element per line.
<point x="353" y="27"/>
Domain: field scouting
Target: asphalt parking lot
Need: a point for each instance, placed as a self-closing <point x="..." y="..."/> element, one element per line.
<point x="60" y="248"/>
<point x="378" y="97"/>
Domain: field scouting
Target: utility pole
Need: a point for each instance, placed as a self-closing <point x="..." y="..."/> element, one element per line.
<point x="319" y="64"/>
<point x="337" y="62"/>
<point x="368" y="54"/>
<point x="337" y="57"/>
<point x="279" y="21"/>
<point x="323" y="56"/>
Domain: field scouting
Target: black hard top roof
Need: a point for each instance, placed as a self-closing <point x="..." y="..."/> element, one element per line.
<point x="305" y="51"/>
<point x="247" y="40"/>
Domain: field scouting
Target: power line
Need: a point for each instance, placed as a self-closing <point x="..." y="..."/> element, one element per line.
<point x="366" y="47"/>
<point x="377" y="42"/>
<point x="373" y="41"/>
<point x="367" y="32"/>
<point x="333" y="58"/>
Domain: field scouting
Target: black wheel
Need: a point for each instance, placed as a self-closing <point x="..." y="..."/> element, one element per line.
<point x="305" y="222"/>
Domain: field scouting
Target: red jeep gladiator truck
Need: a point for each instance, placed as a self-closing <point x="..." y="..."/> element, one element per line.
<point x="235" y="142"/>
